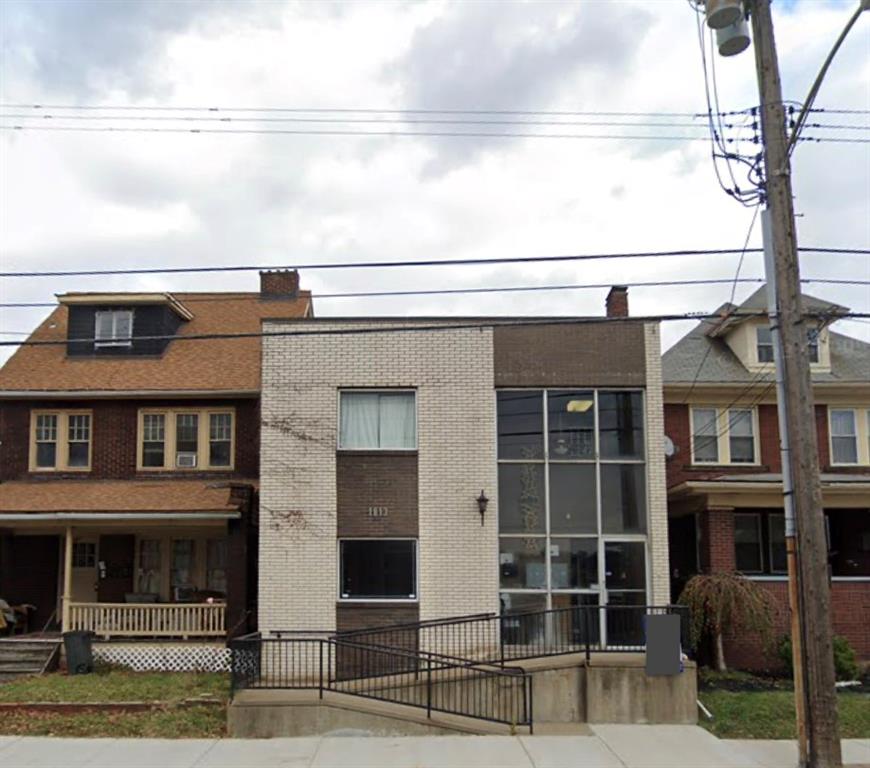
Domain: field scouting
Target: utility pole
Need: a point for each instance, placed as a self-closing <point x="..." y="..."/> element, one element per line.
<point x="814" y="598"/>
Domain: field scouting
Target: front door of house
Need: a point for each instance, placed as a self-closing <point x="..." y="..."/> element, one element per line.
<point x="84" y="570"/>
<point x="115" y="567"/>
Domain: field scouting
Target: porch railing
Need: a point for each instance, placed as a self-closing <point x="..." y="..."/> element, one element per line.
<point x="181" y="620"/>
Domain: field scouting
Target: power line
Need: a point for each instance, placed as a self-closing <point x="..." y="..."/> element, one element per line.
<point x="335" y="132"/>
<point x="346" y="110"/>
<point x="459" y="291"/>
<point x="349" y="120"/>
<point x="419" y="262"/>
<point x="492" y="322"/>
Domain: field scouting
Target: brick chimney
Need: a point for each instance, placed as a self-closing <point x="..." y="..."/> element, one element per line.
<point x="279" y="284"/>
<point x="617" y="301"/>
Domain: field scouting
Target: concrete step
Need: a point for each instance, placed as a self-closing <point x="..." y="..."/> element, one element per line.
<point x="19" y="657"/>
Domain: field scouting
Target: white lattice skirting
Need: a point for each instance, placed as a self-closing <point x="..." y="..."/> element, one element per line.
<point x="165" y="657"/>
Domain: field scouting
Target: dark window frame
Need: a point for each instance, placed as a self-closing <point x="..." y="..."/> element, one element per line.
<point x="412" y="596"/>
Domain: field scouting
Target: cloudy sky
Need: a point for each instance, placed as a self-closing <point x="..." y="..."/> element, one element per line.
<point x="99" y="199"/>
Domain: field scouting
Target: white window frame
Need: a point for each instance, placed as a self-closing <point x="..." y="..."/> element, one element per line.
<point x="716" y="423"/>
<point x="723" y="435"/>
<point x="114" y="340"/>
<point x="387" y="600"/>
<point x="861" y="435"/>
<point x="758" y="345"/>
<point x="367" y="391"/>
<point x="169" y="441"/>
<point x="61" y="450"/>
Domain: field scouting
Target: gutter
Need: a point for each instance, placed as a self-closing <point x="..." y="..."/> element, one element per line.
<point x="87" y="394"/>
<point x="110" y="516"/>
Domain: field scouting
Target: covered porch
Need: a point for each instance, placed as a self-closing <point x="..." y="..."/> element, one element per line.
<point x="169" y="562"/>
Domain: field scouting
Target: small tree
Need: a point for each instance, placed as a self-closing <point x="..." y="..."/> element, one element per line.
<point x="719" y="601"/>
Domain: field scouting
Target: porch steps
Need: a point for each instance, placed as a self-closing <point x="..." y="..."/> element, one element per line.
<point x="20" y="657"/>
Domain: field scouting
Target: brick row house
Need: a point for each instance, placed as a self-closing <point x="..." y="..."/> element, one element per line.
<point x="129" y="463"/>
<point x="420" y="468"/>
<point x="724" y="472"/>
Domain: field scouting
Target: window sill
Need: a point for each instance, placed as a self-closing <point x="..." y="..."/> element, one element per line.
<point x="701" y="466"/>
<point x="376" y="452"/>
<point x="183" y="470"/>
<point x="375" y="602"/>
<point x="59" y="470"/>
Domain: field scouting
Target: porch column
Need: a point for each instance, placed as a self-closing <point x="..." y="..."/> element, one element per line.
<point x="67" y="580"/>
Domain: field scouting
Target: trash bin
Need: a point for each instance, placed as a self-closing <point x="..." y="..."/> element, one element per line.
<point x="79" y="652"/>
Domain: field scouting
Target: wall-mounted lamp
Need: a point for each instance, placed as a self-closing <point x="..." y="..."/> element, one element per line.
<point x="482" y="501"/>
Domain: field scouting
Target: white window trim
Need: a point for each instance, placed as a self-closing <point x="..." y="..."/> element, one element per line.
<point x="115" y="340"/>
<point x="862" y="435"/>
<point x="61" y="455"/>
<point x="169" y="442"/>
<point x="385" y="600"/>
<point x="758" y="344"/>
<point x="723" y="435"/>
<point x="379" y="391"/>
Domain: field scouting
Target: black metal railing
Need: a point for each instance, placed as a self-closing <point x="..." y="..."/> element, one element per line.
<point x="453" y="665"/>
<point x="495" y="638"/>
<point x="420" y="679"/>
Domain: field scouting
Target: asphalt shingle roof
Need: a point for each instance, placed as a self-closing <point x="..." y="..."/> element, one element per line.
<point x="850" y="357"/>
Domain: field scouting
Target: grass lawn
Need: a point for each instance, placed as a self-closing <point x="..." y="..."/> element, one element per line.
<point x="764" y="709"/>
<point x="118" y="685"/>
<point x="167" y="688"/>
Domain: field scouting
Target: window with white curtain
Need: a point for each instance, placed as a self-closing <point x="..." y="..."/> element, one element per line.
<point x="378" y="420"/>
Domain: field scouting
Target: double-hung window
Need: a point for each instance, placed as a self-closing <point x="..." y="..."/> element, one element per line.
<point x="705" y="435"/>
<point x="844" y="436"/>
<point x="724" y="436"/>
<point x="113" y="328"/>
<point x="60" y="441"/>
<point x="764" y="344"/>
<point x="186" y="439"/>
<point x="377" y="421"/>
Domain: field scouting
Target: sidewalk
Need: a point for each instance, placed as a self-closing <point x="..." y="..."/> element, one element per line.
<point x="609" y="746"/>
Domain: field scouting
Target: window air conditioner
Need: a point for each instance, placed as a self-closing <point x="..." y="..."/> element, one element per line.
<point x="185" y="459"/>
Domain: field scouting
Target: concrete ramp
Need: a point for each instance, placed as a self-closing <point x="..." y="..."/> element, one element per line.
<point x="278" y="713"/>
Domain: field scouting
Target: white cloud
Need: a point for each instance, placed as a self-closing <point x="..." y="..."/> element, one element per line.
<point x="137" y="199"/>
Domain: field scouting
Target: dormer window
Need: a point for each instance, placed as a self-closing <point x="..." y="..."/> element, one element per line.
<point x="813" y="344"/>
<point x="113" y="328"/>
<point x="764" y="344"/>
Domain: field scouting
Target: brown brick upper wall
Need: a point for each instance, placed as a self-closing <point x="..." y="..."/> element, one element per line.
<point x="114" y="435"/>
<point x="591" y="354"/>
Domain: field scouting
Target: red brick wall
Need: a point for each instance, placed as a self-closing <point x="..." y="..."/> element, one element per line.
<point x="114" y="437"/>
<point x="850" y="604"/>
<point x="680" y="469"/>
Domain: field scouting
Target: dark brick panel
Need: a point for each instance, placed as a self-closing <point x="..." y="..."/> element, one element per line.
<point x="350" y="617"/>
<point x="380" y="479"/>
<point x="600" y="354"/>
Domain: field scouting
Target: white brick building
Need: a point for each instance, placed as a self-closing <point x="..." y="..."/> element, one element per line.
<point x="377" y="440"/>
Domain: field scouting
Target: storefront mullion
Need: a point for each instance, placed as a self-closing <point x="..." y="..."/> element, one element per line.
<point x="558" y="444"/>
